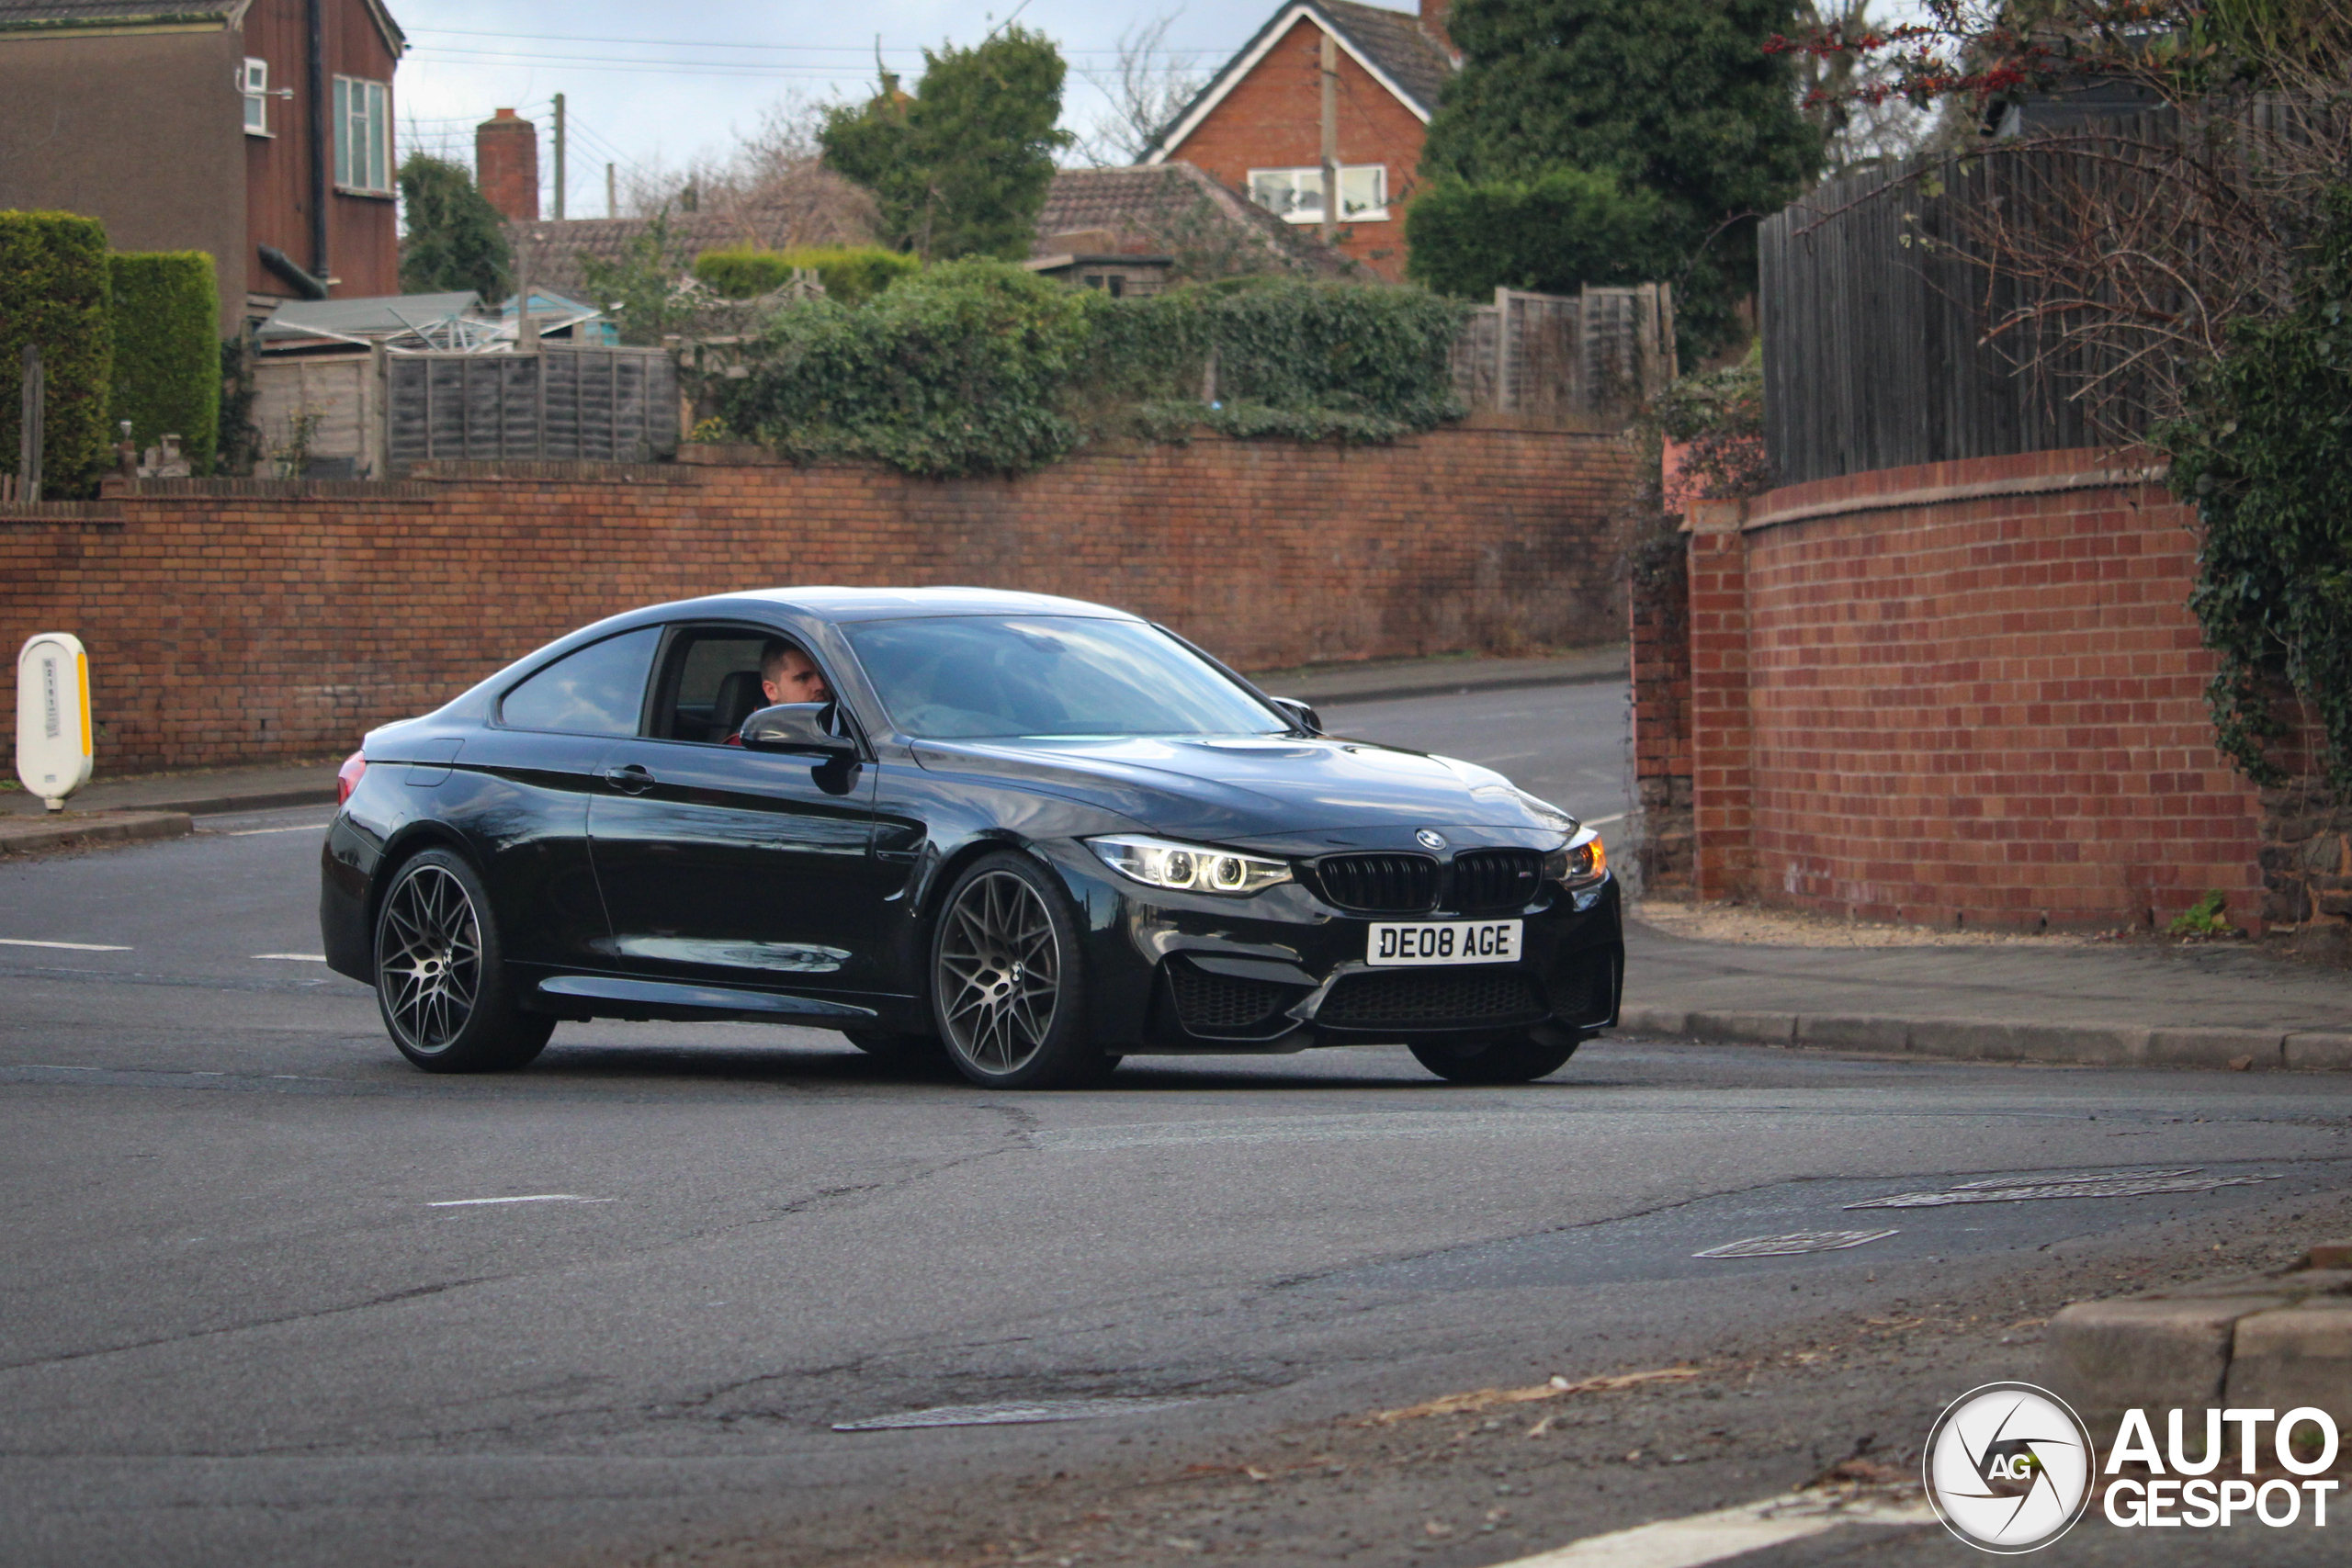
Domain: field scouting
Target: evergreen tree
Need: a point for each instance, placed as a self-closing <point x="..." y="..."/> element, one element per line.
<point x="456" y="239"/>
<point x="1674" y="99"/>
<point x="960" y="167"/>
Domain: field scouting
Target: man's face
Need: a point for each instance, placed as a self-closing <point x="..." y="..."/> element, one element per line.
<point x="797" y="681"/>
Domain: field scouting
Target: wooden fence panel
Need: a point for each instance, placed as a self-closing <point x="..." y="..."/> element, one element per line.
<point x="613" y="405"/>
<point x="1566" y="359"/>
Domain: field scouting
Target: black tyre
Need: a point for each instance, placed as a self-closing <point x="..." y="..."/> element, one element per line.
<point x="440" y="983"/>
<point x="1514" y="1059"/>
<point x="1008" y="979"/>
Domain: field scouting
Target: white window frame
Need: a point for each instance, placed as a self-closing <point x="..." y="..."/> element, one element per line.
<point x="1305" y="200"/>
<point x="362" y="116"/>
<point x="253" y="84"/>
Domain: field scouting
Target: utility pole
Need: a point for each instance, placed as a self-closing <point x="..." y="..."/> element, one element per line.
<point x="612" y="194"/>
<point x="1331" y="136"/>
<point x="559" y="157"/>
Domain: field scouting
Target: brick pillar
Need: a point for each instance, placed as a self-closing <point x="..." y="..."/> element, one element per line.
<point x="1661" y="616"/>
<point x="507" y="164"/>
<point x="1721" y="737"/>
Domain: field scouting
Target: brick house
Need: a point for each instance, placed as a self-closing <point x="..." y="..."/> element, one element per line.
<point x="259" y="132"/>
<point x="1258" y="125"/>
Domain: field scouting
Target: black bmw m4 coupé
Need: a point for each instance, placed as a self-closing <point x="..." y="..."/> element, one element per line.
<point x="1033" y="834"/>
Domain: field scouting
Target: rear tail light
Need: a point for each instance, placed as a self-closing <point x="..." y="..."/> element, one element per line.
<point x="347" y="777"/>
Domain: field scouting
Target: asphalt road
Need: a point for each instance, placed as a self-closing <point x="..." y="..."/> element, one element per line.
<point x="270" y="1299"/>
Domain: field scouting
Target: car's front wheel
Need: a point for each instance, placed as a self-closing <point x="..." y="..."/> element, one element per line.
<point x="440" y="982"/>
<point x="1008" y="980"/>
<point x="1510" y="1059"/>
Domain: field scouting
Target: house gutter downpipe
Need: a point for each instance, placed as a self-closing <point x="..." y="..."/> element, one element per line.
<point x="314" y="18"/>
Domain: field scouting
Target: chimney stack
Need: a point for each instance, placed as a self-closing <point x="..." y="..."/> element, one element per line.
<point x="1433" y="23"/>
<point x="507" y="164"/>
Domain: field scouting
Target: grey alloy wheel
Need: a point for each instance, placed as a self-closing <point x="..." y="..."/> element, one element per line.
<point x="998" y="972"/>
<point x="440" y="983"/>
<point x="429" y="961"/>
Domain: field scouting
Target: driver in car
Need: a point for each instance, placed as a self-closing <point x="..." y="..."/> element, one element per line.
<point x="787" y="675"/>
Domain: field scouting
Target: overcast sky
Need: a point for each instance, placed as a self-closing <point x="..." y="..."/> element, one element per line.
<point x="660" y="83"/>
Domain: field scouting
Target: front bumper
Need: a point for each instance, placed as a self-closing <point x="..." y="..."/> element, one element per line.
<point x="1282" y="971"/>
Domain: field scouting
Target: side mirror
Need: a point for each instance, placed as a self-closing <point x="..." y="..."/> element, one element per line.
<point x="806" y="728"/>
<point x="1306" y="717"/>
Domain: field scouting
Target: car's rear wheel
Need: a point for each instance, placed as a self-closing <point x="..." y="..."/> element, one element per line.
<point x="1008" y="980"/>
<point x="441" y="984"/>
<point x="1507" y="1059"/>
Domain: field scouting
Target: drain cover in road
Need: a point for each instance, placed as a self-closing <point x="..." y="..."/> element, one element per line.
<point x="1017" y="1415"/>
<point x="2115" y="1184"/>
<point x="1789" y="1246"/>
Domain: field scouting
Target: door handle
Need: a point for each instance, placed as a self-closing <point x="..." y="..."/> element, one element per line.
<point x="629" y="779"/>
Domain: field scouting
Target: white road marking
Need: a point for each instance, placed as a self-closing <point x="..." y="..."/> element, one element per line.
<point x="526" y="1198"/>
<point x="296" y="957"/>
<point x="1729" y="1532"/>
<point x="256" y="833"/>
<point x="68" y="946"/>
<point x="1019" y="1415"/>
<point x="1794" y="1244"/>
<point x="1602" y="822"/>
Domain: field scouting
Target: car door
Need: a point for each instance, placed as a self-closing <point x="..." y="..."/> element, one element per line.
<point x="720" y="865"/>
<point x="519" y="790"/>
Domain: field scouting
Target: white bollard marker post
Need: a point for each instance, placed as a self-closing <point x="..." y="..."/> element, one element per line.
<point x="53" y="716"/>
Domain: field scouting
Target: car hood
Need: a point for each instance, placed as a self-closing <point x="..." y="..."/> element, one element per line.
<point x="1231" y="789"/>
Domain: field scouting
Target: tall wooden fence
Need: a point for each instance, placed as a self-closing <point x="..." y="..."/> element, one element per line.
<point x="1574" y="359"/>
<point x="610" y="405"/>
<point x="1937" y="309"/>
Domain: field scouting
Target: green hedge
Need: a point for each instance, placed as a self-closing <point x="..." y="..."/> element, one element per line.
<point x="852" y="273"/>
<point x="979" y="366"/>
<point x="53" y="295"/>
<point x="167" y="351"/>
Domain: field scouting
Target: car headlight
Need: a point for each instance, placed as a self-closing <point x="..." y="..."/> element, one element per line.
<point x="1187" y="868"/>
<point x="1580" y="862"/>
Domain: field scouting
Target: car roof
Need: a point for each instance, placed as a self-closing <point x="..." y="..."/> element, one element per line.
<point x="835" y="603"/>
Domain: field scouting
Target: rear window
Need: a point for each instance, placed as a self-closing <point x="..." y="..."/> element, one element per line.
<point x="597" y="690"/>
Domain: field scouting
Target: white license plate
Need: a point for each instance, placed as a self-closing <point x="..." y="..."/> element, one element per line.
<point x="1421" y="943"/>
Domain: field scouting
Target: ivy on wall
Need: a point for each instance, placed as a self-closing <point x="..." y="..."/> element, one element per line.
<point x="2265" y="453"/>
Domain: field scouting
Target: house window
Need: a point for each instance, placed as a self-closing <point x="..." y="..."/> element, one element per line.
<point x="363" y="136"/>
<point x="1297" y="194"/>
<point x="253" y="81"/>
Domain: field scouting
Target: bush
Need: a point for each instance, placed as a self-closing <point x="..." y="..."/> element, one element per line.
<point x="167" y="351"/>
<point x="1553" y="233"/>
<point x="961" y="370"/>
<point x="2265" y="453"/>
<point x="852" y="275"/>
<point x="980" y="368"/>
<point x="456" y="239"/>
<point x="53" y="295"/>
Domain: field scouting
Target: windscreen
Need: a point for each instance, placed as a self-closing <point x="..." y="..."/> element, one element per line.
<point x="1037" y="677"/>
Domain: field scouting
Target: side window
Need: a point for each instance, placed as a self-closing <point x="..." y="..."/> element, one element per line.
<point x="711" y="681"/>
<point x="600" y="690"/>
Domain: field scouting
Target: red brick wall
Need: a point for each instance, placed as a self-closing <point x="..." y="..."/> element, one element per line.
<point x="1964" y="692"/>
<point x="1273" y="119"/>
<point x="242" y="619"/>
